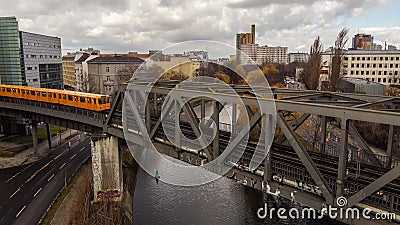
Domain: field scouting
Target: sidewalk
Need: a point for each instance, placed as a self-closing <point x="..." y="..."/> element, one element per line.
<point x="29" y="156"/>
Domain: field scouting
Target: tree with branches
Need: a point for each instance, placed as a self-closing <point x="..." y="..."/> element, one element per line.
<point x="338" y="52"/>
<point x="313" y="66"/>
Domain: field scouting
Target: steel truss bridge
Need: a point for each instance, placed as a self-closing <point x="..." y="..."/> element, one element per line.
<point x="311" y="174"/>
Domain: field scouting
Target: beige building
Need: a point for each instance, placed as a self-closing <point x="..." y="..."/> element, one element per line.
<point x="378" y="66"/>
<point x="105" y="74"/>
<point x="68" y="66"/>
<point x="180" y="64"/>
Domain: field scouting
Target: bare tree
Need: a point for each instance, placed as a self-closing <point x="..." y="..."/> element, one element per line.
<point x="313" y="66"/>
<point x="336" y="73"/>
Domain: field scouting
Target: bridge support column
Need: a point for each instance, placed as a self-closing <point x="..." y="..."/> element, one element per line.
<point x="48" y="131"/>
<point x="107" y="167"/>
<point x="323" y="134"/>
<point x="215" y="117"/>
<point x="268" y="138"/>
<point x="234" y="118"/>
<point x="342" y="158"/>
<point x="35" y="135"/>
<point x="390" y="146"/>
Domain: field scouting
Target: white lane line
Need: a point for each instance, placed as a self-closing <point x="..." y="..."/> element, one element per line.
<point x="37" y="192"/>
<point x="73" y="156"/>
<point x="15" y="192"/>
<point x="20" y="211"/>
<point x="50" y="178"/>
<point x="62" y="165"/>
<point x="82" y="149"/>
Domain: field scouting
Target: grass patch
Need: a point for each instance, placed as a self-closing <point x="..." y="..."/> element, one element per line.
<point x="42" y="135"/>
<point x="6" y="153"/>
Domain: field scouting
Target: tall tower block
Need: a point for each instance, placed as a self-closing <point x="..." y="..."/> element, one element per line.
<point x="253" y="34"/>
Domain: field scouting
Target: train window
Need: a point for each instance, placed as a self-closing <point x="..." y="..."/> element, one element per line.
<point x="89" y="100"/>
<point x="59" y="96"/>
<point x="8" y="89"/>
<point x="82" y="99"/>
<point x="55" y="95"/>
<point x="69" y="97"/>
<point x="32" y="92"/>
<point x="38" y="93"/>
<point x="75" y="99"/>
<point x="13" y="90"/>
<point x="94" y="101"/>
<point x="3" y="89"/>
<point x="50" y="95"/>
<point x="63" y="96"/>
<point x="19" y="91"/>
<point x="44" y="94"/>
<point x="23" y="92"/>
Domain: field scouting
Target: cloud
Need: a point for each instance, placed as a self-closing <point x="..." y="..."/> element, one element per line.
<point x="122" y="26"/>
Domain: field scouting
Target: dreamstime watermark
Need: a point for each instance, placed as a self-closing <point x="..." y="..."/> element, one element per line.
<point x="337" y="213"/>
<point x="177" y="103"/>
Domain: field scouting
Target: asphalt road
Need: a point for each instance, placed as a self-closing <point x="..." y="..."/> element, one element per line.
<point x="27" y="191"/>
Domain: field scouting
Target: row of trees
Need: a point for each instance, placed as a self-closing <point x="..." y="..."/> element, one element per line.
<point x="311" y="75"/>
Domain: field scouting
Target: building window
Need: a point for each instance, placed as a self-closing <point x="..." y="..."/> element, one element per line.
<point x="384" y="72"/>
<point x="362" y="72"/>
<point x="379" y="72"/>
<point x="373" y="79"/>
<point x="107" y="69"/>
<point x="373" y="72"/>
<point x="368" y="58"/>
<point x="384" y="80"/>
<point x="379" y="79"/>
<point x="108" y="78"/>
<point x="29" y="68"/>
<point x="367" y="72"/>
<point x="380" y="65"/>
<point x="363" y="58"/>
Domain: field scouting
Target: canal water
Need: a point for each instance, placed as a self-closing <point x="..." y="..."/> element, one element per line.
<point x="221" y="202"/>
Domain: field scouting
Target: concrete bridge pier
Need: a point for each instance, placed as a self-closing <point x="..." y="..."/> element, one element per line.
<point x="48" y="131"/>
<point x="34" y="135"/>
<point x="107" y="167"/>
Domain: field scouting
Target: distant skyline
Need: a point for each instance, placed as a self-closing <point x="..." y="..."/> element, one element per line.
<point x="123" y="26"/>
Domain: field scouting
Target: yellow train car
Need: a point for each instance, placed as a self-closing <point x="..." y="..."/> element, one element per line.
<point x="88" y="101"/>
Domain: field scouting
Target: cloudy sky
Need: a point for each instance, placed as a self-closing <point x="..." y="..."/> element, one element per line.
<point x="140" y="25"/>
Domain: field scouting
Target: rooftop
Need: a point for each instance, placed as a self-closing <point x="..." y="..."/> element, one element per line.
<point x="116" y="59"/>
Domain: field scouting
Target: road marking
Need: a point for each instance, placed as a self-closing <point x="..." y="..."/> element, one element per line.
<point x="15" y="192"/>
<point x="62" y="165"/>
<point x="73" y="156"/>
<point x="20" y="211"/>
<point x="34" y="175"/>
<point x="37" y="192"/>
<point x="82" y="149"/>
<point x="50" y="178"/>
<point x="9" y="179"/>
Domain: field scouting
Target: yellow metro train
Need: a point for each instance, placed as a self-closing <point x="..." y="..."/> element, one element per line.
<point x="82" y="100"/>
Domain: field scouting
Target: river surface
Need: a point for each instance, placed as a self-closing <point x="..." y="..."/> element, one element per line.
<point x="221" y="202"/>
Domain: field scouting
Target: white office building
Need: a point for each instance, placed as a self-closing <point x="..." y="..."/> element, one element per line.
<point x="378" y="66"/>
<point x="263" y="54"/>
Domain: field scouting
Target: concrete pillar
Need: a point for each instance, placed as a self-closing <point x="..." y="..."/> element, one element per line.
<point x="215" y="117"/>
<point x="342" y="158"/>
<point x="107" y="167"/>
<point x="35" y="135"/>
<point x="48" y="131"/>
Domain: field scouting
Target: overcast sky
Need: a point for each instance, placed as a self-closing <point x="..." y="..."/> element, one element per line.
<point x="140" y="25"/>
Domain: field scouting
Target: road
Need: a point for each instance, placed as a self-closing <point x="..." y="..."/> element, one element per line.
<point x="27" y="191"/>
